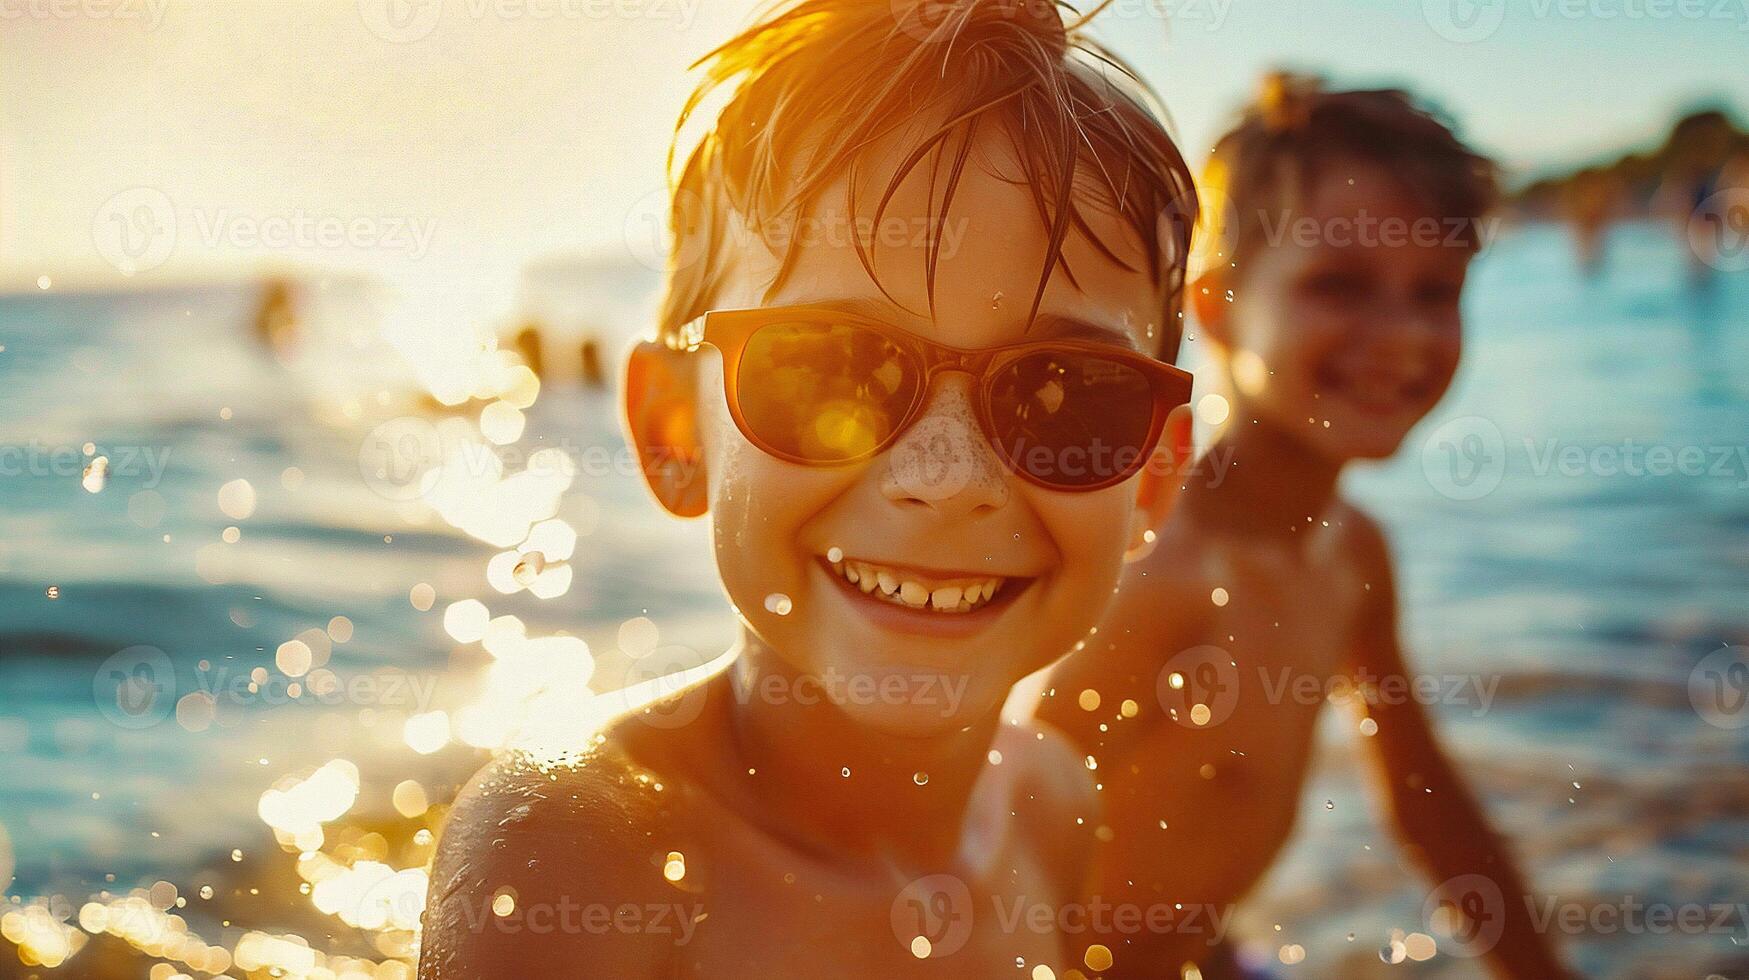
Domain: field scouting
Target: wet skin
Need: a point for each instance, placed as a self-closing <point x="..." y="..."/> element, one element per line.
<point x="1332" y="350"/>
<point x="793" y="868"/>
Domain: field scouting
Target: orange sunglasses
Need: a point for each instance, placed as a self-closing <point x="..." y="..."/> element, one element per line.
<point x="821" y="387"/>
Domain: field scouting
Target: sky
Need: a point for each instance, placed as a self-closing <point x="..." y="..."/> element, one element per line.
<point x="441" y="144"/>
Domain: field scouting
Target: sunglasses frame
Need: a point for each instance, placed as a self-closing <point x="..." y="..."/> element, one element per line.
<point x="729" y="331"/>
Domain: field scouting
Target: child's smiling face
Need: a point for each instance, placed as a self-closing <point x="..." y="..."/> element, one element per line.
<point x="937" y="513"/>
<point x="1346" y="330"/>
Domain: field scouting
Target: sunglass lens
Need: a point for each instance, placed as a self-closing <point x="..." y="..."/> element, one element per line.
<point x="1072" y="420"/>
<point x="824" y="392"/>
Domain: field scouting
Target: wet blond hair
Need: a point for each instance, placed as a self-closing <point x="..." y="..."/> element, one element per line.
<point x="1296" y="132"/>
<point x="818" y="83"/>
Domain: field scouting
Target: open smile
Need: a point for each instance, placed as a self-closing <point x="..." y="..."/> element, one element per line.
<point x="932" y="602"/>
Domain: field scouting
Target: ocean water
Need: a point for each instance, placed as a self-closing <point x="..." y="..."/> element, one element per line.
<point x="1591" y="592"/>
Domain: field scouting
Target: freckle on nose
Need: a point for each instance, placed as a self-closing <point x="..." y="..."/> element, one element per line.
<point x="944" y="455"/>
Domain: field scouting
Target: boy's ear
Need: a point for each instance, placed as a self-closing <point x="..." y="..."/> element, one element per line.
<point x="662" y="418"/>
<point x="1208" y="300"/>
<point x="1160" y="481"/>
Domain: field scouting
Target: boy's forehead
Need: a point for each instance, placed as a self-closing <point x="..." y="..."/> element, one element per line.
<point x="990" y="247"/>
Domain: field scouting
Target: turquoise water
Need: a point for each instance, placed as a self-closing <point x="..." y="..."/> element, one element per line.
<point x="1592" y="595"/>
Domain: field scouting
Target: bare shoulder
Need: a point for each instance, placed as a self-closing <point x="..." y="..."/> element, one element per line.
<point x="1365" y="552"/>
<point x="1047" y="766"/>
<point x="561" y="840"/>
<point x="1053" y="796"/>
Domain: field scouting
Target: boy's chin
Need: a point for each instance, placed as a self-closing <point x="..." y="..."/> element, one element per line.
<point x="1362" y="442"/>
<point x="955" y="705"/>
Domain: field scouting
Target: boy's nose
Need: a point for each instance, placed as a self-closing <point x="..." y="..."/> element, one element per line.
<point x="943" y="461"/>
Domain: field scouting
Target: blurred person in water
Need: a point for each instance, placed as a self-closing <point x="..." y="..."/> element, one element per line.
<point x="1341" y="225"/>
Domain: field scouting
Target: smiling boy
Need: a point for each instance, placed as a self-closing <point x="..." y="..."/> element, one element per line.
<point x="923" y="468"/>
<point x="1266" y="591"/>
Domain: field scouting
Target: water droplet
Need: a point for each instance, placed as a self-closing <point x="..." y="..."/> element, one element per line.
<point x="845" y="772"/>
<point x="1329" y="804"/>
<point x="996" y="300"/>
<point x="920" y="777"/>
<point x="529" y="568"/>
<point x="778" y="603"/>
<point x="1219" y="596"/>
<point x="53" y="592"/>
<point x="834" y="555"/>
<point x="206" y="891"/>
<point x="236" y="854"/>
<point x="96" y="475"/>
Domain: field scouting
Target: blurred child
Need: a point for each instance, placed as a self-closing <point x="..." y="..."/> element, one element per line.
<point x="1343" y="223"/>
<point x="924" y="268"/>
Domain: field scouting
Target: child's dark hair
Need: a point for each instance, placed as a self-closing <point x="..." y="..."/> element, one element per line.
<point x="818" y="83"/>
<point x="1296" y="132"/>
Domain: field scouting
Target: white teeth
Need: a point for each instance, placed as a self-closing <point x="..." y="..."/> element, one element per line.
<point x="963" y="596"/>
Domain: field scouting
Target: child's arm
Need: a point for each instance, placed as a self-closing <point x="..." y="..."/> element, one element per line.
<point x="567" y="854"/>
<point x="1434" y="811"/>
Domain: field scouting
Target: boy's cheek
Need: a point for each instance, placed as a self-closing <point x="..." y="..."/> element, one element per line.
<point x="1090" y="532"/>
